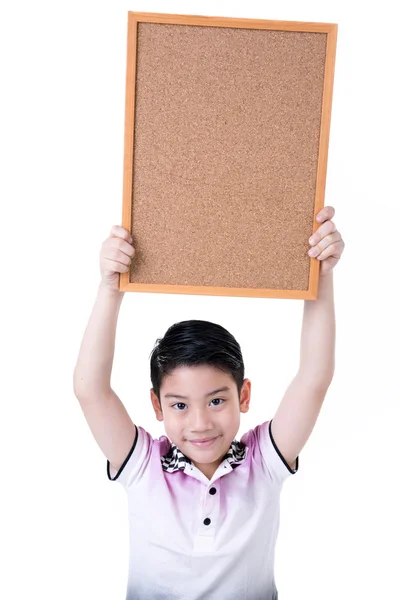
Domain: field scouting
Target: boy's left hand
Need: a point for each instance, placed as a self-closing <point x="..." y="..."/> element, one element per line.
<point x="327" y="243"/>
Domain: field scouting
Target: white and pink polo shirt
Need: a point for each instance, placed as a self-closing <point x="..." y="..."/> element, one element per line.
<point x="193" y="538"/>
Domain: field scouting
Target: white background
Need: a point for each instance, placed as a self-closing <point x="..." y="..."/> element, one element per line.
<point x="63" y="524"/>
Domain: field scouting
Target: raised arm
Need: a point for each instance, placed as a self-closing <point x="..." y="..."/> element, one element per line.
<point x="299" y="409"/>
<point x="105" y="414"/>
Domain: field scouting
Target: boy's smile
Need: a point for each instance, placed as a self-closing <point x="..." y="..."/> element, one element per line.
<point x="201" y="410"/>
<point x="203" y="443"/>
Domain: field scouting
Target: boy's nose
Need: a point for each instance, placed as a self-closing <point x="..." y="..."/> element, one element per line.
<point x="201" y="423"/>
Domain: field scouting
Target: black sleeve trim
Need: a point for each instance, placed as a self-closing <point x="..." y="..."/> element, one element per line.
<point x="296" y="466"/>
<point x="125" y="461"/>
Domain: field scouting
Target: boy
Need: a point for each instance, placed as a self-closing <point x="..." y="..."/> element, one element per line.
<point x="203" y="507"/>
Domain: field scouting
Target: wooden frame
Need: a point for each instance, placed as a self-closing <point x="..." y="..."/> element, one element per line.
<point x="134" y="19"/>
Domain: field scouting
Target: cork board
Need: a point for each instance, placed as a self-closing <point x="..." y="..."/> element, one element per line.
<point x="226" y="145"/>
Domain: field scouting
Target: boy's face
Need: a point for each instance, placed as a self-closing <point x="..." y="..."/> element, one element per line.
<point x="197" y="403"/>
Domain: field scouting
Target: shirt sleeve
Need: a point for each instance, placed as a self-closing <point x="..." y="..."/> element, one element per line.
<point x="136" y="461"/>
<point x="276" y="465"/>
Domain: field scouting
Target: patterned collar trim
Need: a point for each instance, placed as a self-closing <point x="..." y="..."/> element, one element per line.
<point x="175" y="460"/>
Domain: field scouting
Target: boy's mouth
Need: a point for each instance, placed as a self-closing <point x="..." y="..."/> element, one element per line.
<point x="203" y="443"/>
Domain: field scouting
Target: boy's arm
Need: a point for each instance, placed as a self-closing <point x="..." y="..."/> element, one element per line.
<point x="302" y="402"/>
<point x="106" y="415"/>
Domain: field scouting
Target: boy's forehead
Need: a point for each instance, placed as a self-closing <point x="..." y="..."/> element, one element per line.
<point x="199" y="380"/>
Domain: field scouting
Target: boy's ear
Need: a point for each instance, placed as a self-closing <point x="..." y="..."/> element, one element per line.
<point x="156" y="405"/>
<point x="245" y="395"/>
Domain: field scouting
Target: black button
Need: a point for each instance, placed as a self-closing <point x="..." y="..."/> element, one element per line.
<point x="207" y="521"/>
<point x="213" y="491"/>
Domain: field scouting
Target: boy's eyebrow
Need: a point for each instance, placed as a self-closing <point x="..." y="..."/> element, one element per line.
<point x="222" y="389"/>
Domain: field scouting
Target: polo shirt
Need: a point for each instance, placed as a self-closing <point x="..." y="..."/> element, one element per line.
<point x="194" y="538"/>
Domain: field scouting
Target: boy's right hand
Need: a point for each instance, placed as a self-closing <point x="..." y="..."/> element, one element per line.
<point x="115" y="256"/>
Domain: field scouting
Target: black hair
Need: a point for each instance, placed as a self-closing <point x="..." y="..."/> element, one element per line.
<point x="194" y="343"/>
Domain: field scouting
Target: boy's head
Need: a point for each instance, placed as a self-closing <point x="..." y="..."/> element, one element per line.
<point x="199" y="390"/>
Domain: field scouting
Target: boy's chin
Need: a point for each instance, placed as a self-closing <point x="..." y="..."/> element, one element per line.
<point x="208" y="454"/>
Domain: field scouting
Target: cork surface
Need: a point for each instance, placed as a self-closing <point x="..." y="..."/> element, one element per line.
<point x="226" y="138"/>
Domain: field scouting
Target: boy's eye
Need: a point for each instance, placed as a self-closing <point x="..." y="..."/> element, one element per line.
<point x="179" y="405"/>
<point x="219" y="400"/>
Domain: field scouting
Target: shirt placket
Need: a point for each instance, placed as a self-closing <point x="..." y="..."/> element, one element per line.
<point x="210" y="512"/>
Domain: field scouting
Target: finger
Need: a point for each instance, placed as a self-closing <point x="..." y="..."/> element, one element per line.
<point x="121" y="232"/>
<point x="335" y="250"/>
<point x="324" y="243"/>
<point x="114" y="266"/>
<point x="116" y="255"/>
<point x="121" y="245"/>
<point x="328" y="212"/>
<point x="327" y="228"/>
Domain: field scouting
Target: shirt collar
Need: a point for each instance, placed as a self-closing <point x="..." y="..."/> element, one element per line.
<point x="175" y="460"/>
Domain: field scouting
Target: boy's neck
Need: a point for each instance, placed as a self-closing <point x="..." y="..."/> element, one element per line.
<point x="208" y="469"/>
